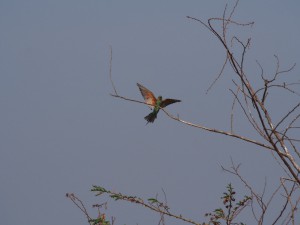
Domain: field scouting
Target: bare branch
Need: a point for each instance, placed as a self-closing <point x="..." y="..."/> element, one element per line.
<point x="219" y="74"/>
<point x="203" y="127"/>
<point x="159" y="207"/>
<point x="286" y="116"/>
<point x="79" y="204"/>
<point x="110" y="72"/>
<point x="282" y="71"/>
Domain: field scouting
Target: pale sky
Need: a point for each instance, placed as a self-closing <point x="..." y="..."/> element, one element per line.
<point x="61" y="131"/>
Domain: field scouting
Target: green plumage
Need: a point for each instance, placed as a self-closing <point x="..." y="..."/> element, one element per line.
<point x="153" y="115"/>
<point x="155" y="103"/>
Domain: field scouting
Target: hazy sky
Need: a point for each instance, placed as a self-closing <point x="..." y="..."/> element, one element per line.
<point x="62" y="132"/>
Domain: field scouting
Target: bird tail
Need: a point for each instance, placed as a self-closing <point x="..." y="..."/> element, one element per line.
<point x="151" y="117"/>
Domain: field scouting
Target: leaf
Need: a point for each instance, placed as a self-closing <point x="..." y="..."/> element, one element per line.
<point x="116" y="196"/>
<point x="152" y="200"/>
<point x="98" y="188"/>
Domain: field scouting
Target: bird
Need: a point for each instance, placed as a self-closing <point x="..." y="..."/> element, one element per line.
<point x="154" y="103"/>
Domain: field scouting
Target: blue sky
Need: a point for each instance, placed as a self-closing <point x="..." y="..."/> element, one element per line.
<point x="61" y="131"/>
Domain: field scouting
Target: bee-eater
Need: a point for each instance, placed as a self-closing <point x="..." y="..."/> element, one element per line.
<point x="154" y="103"/>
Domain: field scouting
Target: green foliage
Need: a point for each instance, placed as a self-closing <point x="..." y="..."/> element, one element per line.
<point x="225" y="214"/>
<point x="99" y="221"/>
<point x="152" y="200"/>
<point x="231" y="208"/>
<point x="115" y="196"/>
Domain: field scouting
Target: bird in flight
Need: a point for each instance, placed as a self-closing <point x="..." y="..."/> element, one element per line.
<point x="154" y="103"/>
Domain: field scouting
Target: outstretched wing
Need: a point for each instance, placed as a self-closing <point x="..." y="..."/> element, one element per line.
<point x="168" y="101"/>
<point x="147" y="95"/>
